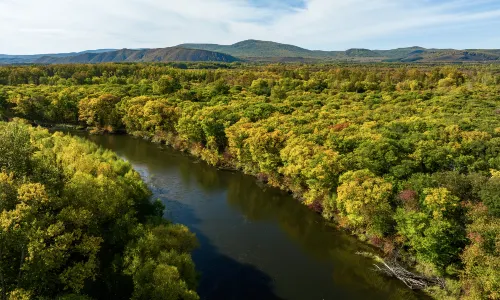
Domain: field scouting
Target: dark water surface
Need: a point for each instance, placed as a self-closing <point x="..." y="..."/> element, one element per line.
<point x="256" y="242"/>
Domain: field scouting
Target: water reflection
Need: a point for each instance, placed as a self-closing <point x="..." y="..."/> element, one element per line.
<point x="256" y="243"/>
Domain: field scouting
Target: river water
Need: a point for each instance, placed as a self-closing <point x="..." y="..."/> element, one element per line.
<point x="256" y="242"/>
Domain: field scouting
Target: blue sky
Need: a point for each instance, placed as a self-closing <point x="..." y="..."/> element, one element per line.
<point x="34" y="26"/>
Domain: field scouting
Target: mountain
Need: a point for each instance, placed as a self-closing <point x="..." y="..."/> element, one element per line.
<point x="255" y="48"/>
<point x="400" y="53"/>
<point x="259" y="51"/>
<point x="271" y="51"/>
<point x="413" y="54"/>
<point x="265" y="51"/>
<point x="29" y="59"/>
<point x="143" y="55"/>
<point x="362" y="53"/>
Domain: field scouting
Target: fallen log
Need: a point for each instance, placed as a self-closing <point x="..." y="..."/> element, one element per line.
<point x="412" y="280"/>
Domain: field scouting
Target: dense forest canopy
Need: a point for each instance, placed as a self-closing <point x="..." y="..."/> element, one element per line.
<point x="406" y="157"/>
<point x="77" y="222"/>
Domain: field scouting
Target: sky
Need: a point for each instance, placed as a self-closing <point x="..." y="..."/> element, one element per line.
<point x="55" y="26"/>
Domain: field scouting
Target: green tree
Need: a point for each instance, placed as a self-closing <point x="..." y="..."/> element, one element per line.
<point x="68" y="210"/>
<point x="166" y="85"/>
<point x="363" y="199"/>
<point x="433" y="231"/>
<point x="160" y="264"/>
<point x="490" y="194"/>
<point x="15" y="148"/>
<point x="100" y="112"/>
<point x="482" y="256"/>
<point x="260" y="87"/>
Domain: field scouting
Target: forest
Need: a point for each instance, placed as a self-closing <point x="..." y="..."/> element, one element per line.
<point x="77" y="222"/>
<point x="405" y="157"/>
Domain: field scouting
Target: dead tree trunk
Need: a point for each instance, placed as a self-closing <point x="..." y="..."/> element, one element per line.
<point x="394" y="269"/>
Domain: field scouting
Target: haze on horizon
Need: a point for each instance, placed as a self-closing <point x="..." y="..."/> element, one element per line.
<point x="32" y="27"/>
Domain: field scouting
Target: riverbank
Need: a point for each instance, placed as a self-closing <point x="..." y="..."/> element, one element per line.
<point x="256" y="241"/>
<point x="175" y="143"/>
<point x="81" y="219"/>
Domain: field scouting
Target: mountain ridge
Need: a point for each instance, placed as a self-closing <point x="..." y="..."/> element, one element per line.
<point x="31" y="58"/>
<point x="268" y="49"/>
<point x="170" y="54"/>
<point x="258" y="51"/>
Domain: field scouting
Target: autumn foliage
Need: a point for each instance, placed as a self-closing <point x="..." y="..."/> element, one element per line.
<point x="400" y="153"/>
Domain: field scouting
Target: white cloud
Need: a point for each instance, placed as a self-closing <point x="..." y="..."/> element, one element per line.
<point x="36" y="26"/>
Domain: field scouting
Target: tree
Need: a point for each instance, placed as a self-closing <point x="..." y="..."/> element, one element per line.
<point x="431" y="134"/>
<point x="220" y="87"/>
<point x="260" y="87"/>
<point x="30" y="104"/>
<point x="363" y="199"/>
<point x="160" y="265"/>
<point x="100" y="112"/>
<point x="433" y="231"/>
<point x="166" y="85"/>
<point x="490" y="194"/>
<point x="482" y="256"/>
<point x="15" y="148"/>
<point x="67" y="212"/>
<point x="307" y="164"/>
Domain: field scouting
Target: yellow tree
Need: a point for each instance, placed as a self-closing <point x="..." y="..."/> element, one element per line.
<point x="481" y="257"/>
<point x="363" y="199"/>
<point x="100" y="112"/>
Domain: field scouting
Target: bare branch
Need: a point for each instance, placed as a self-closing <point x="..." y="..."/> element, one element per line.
<point x="393" y="269"/>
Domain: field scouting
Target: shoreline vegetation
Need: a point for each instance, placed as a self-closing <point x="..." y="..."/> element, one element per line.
<point x="405" y="157"/>
<point x="77" y="222"/>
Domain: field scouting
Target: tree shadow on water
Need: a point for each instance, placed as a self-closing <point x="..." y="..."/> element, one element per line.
<point x="222" y="277"/>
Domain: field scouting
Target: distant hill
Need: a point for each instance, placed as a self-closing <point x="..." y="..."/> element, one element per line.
<point x="400" y="53"/>
<point x="258" y="51"/>
<point x="254" y="50"/>
<point x="28" y="59"/>
<point x="144" y="55"/>
<point x="362" y="53"/>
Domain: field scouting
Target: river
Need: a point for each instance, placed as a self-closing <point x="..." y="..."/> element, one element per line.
<point x="256" y="242"/>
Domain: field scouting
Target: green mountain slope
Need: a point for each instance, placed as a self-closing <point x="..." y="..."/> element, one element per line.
<point x="362" y="53"/>
<point x="258" y="51"/>
<point x="412" y="54"/>
<point x="28" y="59"/>
<point x="265" y="51"/>
<point x="145" y="55"/>
<point x="255" y="48"/>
